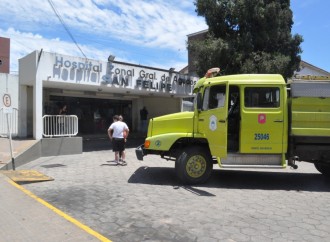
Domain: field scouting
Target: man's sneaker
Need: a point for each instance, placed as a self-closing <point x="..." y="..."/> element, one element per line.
<point x="123" y="163"/>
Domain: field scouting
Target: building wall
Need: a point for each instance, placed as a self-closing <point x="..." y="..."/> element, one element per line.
<point x="4" y="55"/>
<point x="191" y="56"/>
<point x="160" y="106"/>
<point x="309" y="69"/>
<point x="42" y="72"/>
<point x="9" y="86"/>
<point x="27" y="69"/>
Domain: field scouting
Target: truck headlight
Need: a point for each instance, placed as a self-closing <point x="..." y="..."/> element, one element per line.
<point x="146" y="144"/>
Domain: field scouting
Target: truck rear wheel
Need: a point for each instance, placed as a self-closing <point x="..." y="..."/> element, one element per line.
<point x="323" y="168"/>
<point x="194" y="165"/>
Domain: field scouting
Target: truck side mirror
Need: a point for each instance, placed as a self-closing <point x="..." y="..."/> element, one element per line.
<point x="199" y="101"/>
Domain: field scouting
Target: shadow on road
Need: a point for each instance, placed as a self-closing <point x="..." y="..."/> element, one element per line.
<point x="162" y="176"/>
<point x="234" y="179"/>
<point x="103" y="143"/>
<point x="154" y="176"/>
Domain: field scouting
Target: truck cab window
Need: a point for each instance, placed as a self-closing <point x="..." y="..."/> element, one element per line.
<point x="262" y="97"/>
<point x="214" y="97"/>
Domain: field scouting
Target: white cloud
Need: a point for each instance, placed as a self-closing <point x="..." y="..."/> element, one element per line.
<point x="153" y="25"/>
<point x="24" y="43"/>
<point x="140" y="22"/>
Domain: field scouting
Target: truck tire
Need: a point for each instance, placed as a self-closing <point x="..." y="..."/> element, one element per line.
<point x="323" y="168"/>
<point x="194" y="165"/>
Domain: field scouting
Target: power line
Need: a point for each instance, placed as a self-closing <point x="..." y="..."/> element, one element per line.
<point x="65" y="27"/>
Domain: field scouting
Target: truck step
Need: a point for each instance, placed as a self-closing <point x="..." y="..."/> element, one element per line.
<point x="254" y="166"/>
<point x="255" y="160"/>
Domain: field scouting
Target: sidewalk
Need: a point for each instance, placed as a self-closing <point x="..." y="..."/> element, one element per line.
<point x="18" y="146"/>
<point x="90" y="143"/>
<point x="25" y="217"/>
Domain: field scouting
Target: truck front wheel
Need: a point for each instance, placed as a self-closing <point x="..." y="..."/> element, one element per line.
<point x="323" y="168"/>
<point x="194" y="165"/>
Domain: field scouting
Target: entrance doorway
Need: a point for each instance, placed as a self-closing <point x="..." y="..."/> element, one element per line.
<point x="94" y="115"/>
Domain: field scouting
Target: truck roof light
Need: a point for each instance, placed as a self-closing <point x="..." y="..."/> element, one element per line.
<point x="212" y="72"/>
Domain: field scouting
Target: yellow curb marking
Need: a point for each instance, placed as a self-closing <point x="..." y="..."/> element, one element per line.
<point x="62" y="214"/>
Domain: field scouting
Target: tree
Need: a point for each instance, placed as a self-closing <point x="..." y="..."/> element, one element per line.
<point x="247" y="36"/>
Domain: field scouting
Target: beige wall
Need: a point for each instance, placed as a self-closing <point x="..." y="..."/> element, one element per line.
<point x="4" y="55"/>
<point x="158" y="106"/>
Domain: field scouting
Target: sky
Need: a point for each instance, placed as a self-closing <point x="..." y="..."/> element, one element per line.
<point x="145" y="32"/>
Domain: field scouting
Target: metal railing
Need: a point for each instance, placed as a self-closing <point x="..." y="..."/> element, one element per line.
<point x="13" y="122"/>
<point x="60" y="125"/>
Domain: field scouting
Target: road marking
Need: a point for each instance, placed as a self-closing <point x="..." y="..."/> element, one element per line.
<point x="62" y="214"/>
<point x="26" y="176"/>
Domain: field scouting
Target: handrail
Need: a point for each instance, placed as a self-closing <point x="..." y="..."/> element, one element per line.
<point x="60" y="125"/>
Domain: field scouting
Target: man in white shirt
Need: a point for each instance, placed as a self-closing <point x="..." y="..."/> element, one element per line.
<point x="118" y="132"/>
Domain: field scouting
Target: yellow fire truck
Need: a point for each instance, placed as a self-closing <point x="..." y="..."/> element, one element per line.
<point x="248" y="121"/>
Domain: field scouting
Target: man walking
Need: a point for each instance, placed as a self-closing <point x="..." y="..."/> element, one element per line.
<point x="118" y="132"/>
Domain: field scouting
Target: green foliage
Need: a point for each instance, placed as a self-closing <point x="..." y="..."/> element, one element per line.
<point x="247" y="36"/>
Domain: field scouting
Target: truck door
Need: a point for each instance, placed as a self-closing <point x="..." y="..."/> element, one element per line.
<point x="212" y="123"/>
<point x="262" y="120"/>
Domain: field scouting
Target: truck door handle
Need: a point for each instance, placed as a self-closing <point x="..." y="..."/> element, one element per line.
<point x="200" y="119"/>
<point x="222" y="121"/>
<point x="278" y="121"/>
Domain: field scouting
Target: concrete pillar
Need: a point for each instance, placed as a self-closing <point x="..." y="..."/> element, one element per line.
<point x="22" y="114"/>
<point x="38" y="108"/>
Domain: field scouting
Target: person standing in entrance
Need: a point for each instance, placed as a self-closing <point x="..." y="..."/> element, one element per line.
<point x="63" y="110"/>
<point x="144" y="118"/>
<point x="62" y="119"/>
<point x="118" y="133"/>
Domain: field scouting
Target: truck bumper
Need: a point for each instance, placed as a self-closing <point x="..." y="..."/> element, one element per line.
<point x="139" y="152"/>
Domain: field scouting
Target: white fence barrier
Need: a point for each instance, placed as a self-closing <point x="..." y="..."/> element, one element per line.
<point x="60" y="125"/>
<point x="13" y="122"/>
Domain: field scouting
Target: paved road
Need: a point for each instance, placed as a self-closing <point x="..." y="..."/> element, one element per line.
<point x="144" y="202"/>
